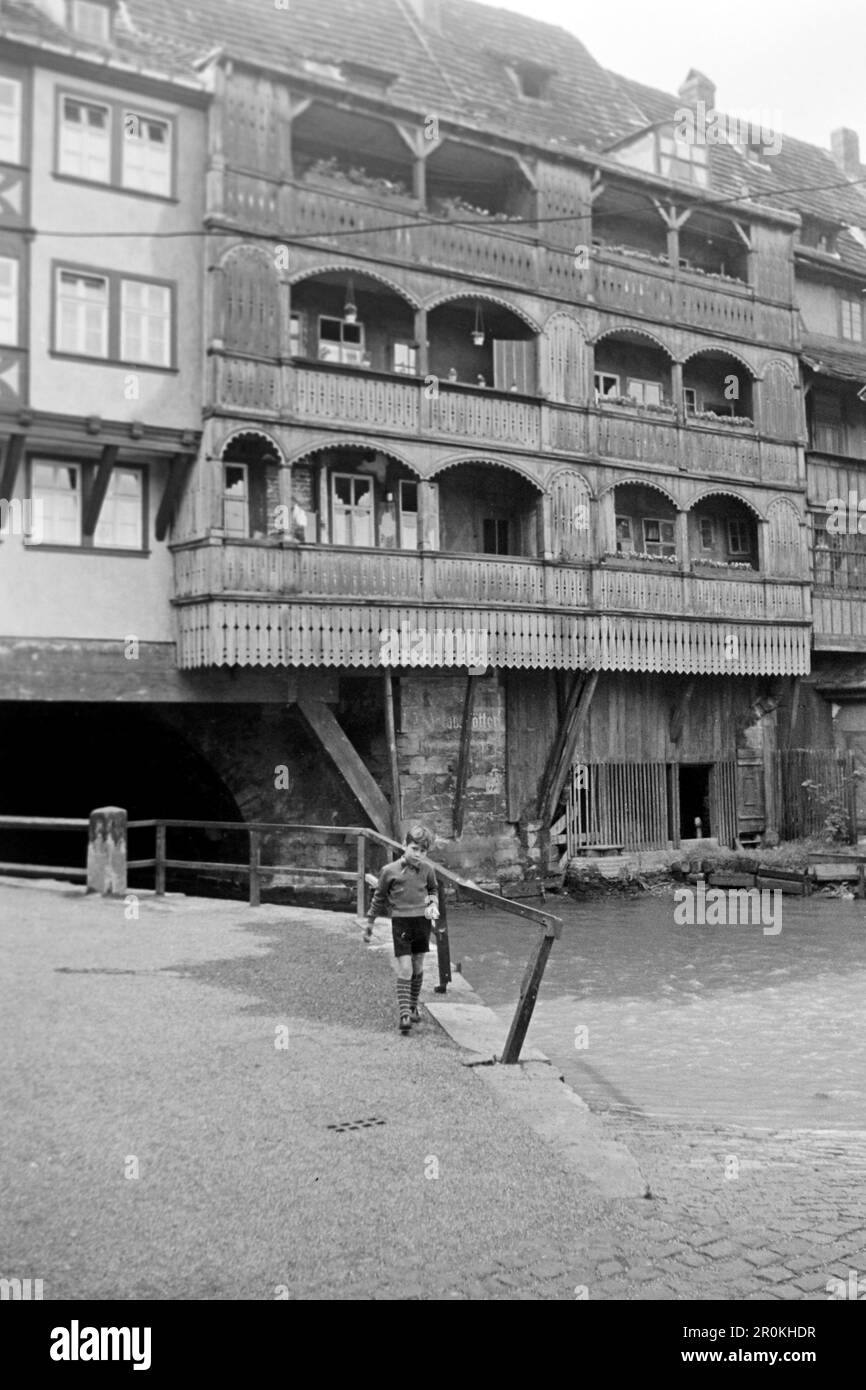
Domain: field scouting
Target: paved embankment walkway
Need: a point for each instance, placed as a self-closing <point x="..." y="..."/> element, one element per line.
<point x="156" y="1047"/>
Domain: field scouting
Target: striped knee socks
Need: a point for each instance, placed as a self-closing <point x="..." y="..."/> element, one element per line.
<point x="403" y="995"/>
<point x="416" y="988"/>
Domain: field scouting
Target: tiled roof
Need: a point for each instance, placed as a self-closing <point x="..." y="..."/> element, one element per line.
<point x="812" y="181"/>
<point x="827" y="358"/>
<point x="28" y="22"/>
<point x="460" y="71"/>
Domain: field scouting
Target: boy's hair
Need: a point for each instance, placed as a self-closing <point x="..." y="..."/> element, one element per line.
<point x="417" y="835"/>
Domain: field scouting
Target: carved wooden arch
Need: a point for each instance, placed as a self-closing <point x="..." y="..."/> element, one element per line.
<point x="251" y="308"/>
<point x="724" y="350"/>
<point x="484" y="296"/>
<point x="779" y="362"/>
<point x="779" y="405"/>
<point x="642" y="482"/>
<point x="353" y="442"/>
<point x="358" y="270"/>
<point x="724" y="492"/>
<point x="250" y="432"/>
<point x="571" y="533"/>
<point x="485" y="460"/>
<point x="633" y="328"/>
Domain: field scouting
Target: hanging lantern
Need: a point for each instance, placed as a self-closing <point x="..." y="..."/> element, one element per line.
<point x="478" y="330"/>
<point x="350" y="308"/>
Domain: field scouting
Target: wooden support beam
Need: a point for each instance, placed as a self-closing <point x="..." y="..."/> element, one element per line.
<point x="463" y="755"/>
<point x="179" y="471"/>
<point x="574" y="718"/>
<point x="11" y="463"/>
<point x="98" y="489"/>
<point x="393" y="764"/>
<point x="348" y="762"/>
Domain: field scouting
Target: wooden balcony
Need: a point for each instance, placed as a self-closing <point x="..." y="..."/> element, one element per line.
<point x="340" y="215"/>
<point x="336" y="397"/>
<point x="261" y="604"/>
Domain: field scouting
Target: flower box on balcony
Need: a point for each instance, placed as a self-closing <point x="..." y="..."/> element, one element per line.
<point x="612" y="559"/>
<point x="721" y="569"/>
<point x="631" y="403"/>
<point x="709" y="417"/>
<point x="358" y="183"/>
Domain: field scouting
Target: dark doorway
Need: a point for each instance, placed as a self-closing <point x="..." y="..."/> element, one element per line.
<point x="695" y="799"/>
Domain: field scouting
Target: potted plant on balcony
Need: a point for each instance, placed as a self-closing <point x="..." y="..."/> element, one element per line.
<point x="332" y="175"/>
<point x="458" y="209"/>
<point x="710" y="417"/>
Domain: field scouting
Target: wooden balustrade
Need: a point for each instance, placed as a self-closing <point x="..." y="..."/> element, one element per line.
<point x="358" y="575"/>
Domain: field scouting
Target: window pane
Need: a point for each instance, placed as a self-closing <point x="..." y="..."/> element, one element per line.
<point x="329" y="330"/>
<point x="85" y="143"/>
<point x="56" y="486"/>
<point x="146" y="153"/>
<point x="145" y="323"/>
<point x="82" y="314"/>
<point x="121" y="520"/>
<point x="10" y="121"/>
<point x="8" y="300"/>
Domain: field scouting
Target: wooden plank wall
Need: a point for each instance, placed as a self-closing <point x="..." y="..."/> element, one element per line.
<point x="530" y="729"/>
<point x="630" y="719"/>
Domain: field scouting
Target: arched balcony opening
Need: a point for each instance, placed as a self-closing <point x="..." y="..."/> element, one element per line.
<point x="353" y="320"/>
<point x="487" y="510"/>
<point x="477" y="342"/>
<point x="645" y="523"/>
<point x="250" y="487"/>
<point x="352" y="153"/>
<point x="466" y="181"/>
<point x="357" y="496"/>
<point x="633" y="371"/>
<point x="718" y="389"/>
<point x="723" y="533"/>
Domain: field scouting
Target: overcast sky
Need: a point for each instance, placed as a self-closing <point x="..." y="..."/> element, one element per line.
<point x="802" y="59"/>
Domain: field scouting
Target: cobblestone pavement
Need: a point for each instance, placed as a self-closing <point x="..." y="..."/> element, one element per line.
<point x="159" y="1040"/>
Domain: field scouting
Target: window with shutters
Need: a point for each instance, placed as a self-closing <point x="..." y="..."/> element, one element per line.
<point x="8" y="300"/>
<point x="11" y="103"/>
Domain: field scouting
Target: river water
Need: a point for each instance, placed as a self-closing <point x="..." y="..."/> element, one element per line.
<point x="727" y="1024"/>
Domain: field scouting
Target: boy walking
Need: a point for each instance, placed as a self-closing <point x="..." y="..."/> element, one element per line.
<point x="407" y="893"/>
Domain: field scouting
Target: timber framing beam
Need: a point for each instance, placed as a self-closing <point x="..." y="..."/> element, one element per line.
<point x="12" y="457"/>
<point x="98" y="489"/>
<point x="348" y="762"/>
<point x="573" y="719"/>
<point x="679" y="712"/>
<point x="463" y="755"/>
<point x="179" y="471"/>
<point x="393" y="764"/>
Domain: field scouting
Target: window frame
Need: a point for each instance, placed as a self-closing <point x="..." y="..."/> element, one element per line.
<point x="643" y="383"/>
<point x="611" y="376"/>
<point x="130" y="113"/>
<point x="360" y="347"/>
<point x="243" y="534"/>
<point x="97" y="103"/>
<point x="19" y="115"/>
<point x="664" y="547"/>
<point x="847" y="308"/>
<point x="690" y="407"/>
<point x="16" y="297"/>
<point x="401" y="510"/>
<point x="119" y="112"/>
<point x="115" y="279"/>
<point x="353" y="508"/>
<point x="87" y="469"/>
<point x="412" y="349"/>
<point x="80" y="274"/>
<point x="702" y="522"/>
<point x="73" y="6"/>
<point x="740" y="522"/>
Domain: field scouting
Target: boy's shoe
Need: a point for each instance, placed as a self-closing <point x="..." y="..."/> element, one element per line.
<point x="368" y="933"/>
<point x="405" y="1023"/>
<point x="415" y="1015"/>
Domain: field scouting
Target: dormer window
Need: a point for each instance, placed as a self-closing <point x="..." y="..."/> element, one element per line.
<point x="681" y="159"/>
<point x="533" y="79"/>
<point x="333" y="71"/>
<point x="91" y="20"/>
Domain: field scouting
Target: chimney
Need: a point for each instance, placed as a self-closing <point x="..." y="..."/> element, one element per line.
<point x="845" y="145"/>
<point x="697" y="88"/>
<point x="428" y="13"/>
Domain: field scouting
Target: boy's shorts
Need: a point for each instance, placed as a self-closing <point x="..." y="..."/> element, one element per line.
<point x="411" y="935"/>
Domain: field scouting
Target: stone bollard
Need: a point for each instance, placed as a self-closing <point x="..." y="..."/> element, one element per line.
<point x="106" y="852"/>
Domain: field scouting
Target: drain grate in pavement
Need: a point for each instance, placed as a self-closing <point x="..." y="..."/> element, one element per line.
<point x="345" y="1125"/>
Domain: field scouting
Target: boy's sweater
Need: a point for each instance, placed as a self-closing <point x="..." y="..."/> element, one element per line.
<point x="403" y="891"/>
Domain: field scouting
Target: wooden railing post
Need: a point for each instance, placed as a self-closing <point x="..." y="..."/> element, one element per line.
<point x="528" y="995"/>
<point x="255" y="865"/>
<point x="361" y="896"/>
<point x="160" y="860"/>
<point x="443" y="945"/>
